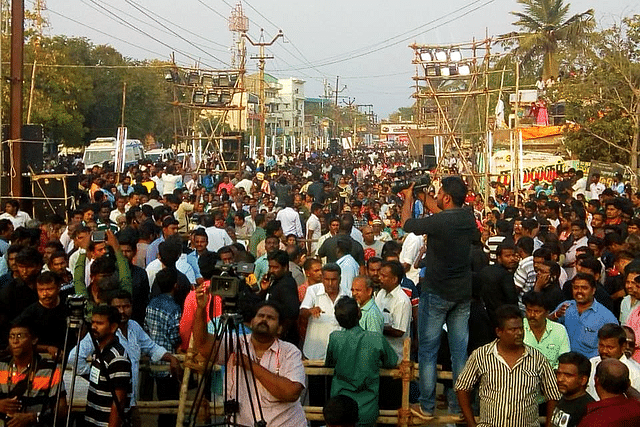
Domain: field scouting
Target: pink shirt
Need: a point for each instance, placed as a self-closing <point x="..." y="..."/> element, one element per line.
<point x="189" y="313"/>
<point x="282" y="358"/>
<point x="633" y="321"/>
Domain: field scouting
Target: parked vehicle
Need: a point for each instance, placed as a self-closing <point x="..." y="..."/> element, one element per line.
<point x="160" y="155"/>
<point x="102" y="150"/>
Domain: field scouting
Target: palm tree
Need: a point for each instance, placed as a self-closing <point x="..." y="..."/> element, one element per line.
<point x="543" y="29"/>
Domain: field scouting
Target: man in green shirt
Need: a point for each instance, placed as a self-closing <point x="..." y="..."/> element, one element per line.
<point x="357" y="356"/>
<point x="546" y="336"/>
<point x="96" y="265"/>
<point x="371" y="318"/>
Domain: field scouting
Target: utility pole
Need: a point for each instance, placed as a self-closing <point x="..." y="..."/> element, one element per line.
<point x="124" y="103"/>
<point x="39" y="23"/>
<point x="262" y="57"/>
<point x="15" y="119"/>
<point x="336" y="91"/>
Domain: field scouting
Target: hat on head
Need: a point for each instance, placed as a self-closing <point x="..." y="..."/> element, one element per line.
<point x="260" y="175"/>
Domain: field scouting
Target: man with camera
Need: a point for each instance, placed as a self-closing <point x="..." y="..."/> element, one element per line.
<point x="100" y="240"/>
<point x="276" y="365"/>
<point x="446" y="291"/>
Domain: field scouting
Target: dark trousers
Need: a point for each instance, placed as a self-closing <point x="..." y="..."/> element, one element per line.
<point x="167" y="388"/>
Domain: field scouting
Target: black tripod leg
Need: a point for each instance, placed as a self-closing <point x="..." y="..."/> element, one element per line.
<point x="74" y="373"/>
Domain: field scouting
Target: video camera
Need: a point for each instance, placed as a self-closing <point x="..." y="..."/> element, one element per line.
<point x="228" y="281"/>
<point x="404" y="178"/>
<point x="76" y="305"/>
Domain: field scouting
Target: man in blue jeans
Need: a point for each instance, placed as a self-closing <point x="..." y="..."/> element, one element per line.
<point x="446" y="290"/>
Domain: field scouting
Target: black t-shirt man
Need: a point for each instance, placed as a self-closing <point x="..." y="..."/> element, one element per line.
<point x="447" y="259"/>
<point x="284" y="291"/>
<point x="49" y="324"/>
<point x="568" y="413"/>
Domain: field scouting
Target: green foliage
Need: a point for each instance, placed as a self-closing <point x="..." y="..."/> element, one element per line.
<point x="544" y="33"/>
<point x="403" y="114"/>
<point x="78" y="91"/>
<point x="603" y="99"/>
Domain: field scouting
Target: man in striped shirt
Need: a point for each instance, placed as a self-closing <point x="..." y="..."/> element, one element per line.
<point x="510" y="374"/>
<point x="110" y="375"/>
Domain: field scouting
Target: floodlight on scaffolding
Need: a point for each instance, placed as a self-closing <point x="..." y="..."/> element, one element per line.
<point x="233" y="79"/>
<point x="441" y="55"/>
<point x="213" y="97"/>
<point x="426" y="55"/>
<point x="224" y="80"/>
<point x="198" y="97"/>
<point x="444" y="71"/>
<point x="455" y="55"/>
<point x="431" y="70"/>
<point x="464" y="69"/>
<point x="207" y="79"/>
<point x="226" y="97"/>
<point x="193" y="78"/>
<point x="168" y="76"/>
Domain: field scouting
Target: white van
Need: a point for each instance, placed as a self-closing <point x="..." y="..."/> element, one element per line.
<point x="102" y="150"/>
<point x="160" y="155"/>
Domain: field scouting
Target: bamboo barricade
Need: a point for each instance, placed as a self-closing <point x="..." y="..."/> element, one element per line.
<point x="407" y="371"/>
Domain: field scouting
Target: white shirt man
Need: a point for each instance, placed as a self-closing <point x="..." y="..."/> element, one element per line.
<point x="570" y="256"/>
<point x="395" y="306"/>
<point x="409" y="255"/>
<point x="580" y="187"/>
<point x="634" y="374"/>
<point x="20" y="220"/>
<point x="314" y="230"/>
<point x="349" y="269"/>
<point x="318" y="306"/>
<point x="245" y="184"/>
<point x="596" y="189"/>
<point x="290" y="221"/>
<point x="217" y="238"/>
<point x="182" y="265"/>
<point x="170" y="183"/>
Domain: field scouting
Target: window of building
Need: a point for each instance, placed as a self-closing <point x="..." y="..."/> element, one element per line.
<point x="286" y="123"/>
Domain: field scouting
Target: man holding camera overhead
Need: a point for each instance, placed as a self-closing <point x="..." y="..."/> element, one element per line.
<point x="446" y="292"/>
<point x="84" y="276"/>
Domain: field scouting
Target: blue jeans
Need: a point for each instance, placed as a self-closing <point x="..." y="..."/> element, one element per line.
<point x="434" y="312"/>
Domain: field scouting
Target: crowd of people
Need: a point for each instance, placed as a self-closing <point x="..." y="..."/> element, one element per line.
<point x="531" y="302"/>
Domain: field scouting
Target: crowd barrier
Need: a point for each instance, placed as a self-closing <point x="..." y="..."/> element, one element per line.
<point x="406" y="371"/>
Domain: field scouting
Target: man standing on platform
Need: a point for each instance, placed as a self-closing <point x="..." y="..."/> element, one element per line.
<point x="445" y="297"/>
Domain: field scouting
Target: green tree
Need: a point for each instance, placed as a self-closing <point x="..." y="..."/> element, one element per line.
<point x="403" y="114"/>
<point x="604" y="99"/>
<point x="544" y="30"/>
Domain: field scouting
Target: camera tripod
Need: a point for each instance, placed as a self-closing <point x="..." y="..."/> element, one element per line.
<point x="230" y="338"/>
<point x="75" y="322"/>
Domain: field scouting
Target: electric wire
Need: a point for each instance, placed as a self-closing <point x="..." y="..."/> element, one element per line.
<point x="148" y="14"/>
<point x="126" y="23"/>
<point x="369" y="52"/>
<point x="103" y="33"/>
